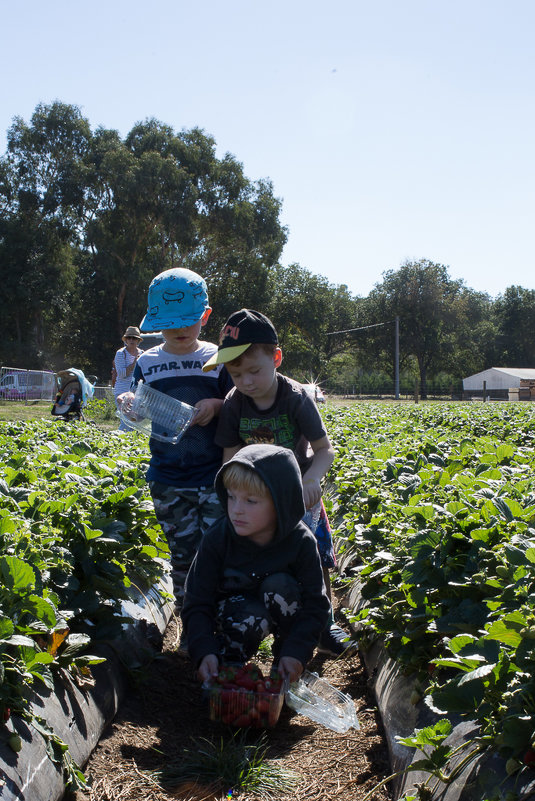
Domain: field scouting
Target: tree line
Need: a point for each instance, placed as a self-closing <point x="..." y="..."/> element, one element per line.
<point x="88" y="218"/>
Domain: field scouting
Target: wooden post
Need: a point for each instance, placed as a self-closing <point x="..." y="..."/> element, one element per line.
<point x="416" y="391"/>
<point x="484" y="391"/>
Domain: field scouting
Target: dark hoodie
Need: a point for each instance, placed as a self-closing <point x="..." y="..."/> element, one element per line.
<point x="227" y="564"/>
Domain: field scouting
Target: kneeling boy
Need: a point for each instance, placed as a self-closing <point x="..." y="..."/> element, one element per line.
<point x="257" y="570"/>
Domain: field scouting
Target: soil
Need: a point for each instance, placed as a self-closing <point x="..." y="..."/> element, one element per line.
<point x="164" y="717"/>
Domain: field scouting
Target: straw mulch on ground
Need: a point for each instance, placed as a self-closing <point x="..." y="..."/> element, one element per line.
<point x="164" y="715"/>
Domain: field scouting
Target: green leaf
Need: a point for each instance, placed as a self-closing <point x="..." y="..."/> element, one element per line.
<point x="481" y="534"/>
<point x="427" y="511"/>
<point x="92" y="533"/>
<point x="478" y="673"/>
<point x="21" y="640"/>
<point x="431" y="735"/>
<point x="7" y="525"/>
<point x="42" y="609"/>
<point x="506" y="629"/>
<point x="504" y="508"/>
<point x="452" y="697"/>
<point x="504" y="451"/>
<point x="16" y="574"/>
<point x="40" y="658"/>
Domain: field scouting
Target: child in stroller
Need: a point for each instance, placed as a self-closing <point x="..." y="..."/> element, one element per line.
<point x="73" y="391"/>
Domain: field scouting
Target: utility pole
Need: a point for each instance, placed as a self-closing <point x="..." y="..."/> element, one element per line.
<point x="396" y="365"/>
<point x="376" y="325"/>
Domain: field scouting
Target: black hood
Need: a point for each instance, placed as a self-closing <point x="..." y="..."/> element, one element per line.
<point x="278" y="469"/>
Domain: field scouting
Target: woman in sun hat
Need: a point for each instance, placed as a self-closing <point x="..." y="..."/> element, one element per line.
<point x="124" y="363"/>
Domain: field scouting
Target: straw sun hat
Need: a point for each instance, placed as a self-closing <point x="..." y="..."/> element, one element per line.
<point x="132" y="331"/>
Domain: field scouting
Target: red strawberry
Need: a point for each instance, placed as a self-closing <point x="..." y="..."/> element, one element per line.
<point x="263" y="706"/>
<point x="242" y="721"/>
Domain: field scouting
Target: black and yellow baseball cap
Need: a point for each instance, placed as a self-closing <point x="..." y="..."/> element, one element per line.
<point x="243" y="328"/>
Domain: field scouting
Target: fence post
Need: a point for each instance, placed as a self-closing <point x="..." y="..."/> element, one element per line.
<point x="416" y="391"/>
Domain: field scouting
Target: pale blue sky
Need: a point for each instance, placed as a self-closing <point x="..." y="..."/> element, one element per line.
<point x="391" y="129"/>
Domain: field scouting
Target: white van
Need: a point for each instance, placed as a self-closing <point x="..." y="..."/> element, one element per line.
<point x="26" y="384"/>
<point x="150" y="340"/>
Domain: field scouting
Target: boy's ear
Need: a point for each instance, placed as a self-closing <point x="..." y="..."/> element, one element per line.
<point x="206" y="315"/>
<point x="277" y="357"/>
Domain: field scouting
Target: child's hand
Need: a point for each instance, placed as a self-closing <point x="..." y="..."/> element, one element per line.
<point x="126" y="398"/>
<point x="311" y="492"/>
<point x="290" y="668"/>
<point x="207" y="408"/>
<point x="209" y="667"/>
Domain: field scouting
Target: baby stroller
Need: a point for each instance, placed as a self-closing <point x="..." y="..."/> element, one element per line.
<point x="74" y="390"/>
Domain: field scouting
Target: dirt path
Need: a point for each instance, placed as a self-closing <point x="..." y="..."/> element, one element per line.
<point x="164" y="715"/>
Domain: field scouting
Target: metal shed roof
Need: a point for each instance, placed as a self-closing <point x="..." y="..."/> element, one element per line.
<point x="499" y="378"/>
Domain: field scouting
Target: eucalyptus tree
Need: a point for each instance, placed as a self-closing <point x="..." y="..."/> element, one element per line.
<point x="433" y="313"/>
<point x="40" y="226"/>
<point x="166" y="200"/>
<point x="514" y="315"/>
<point x="88" y="218"/>
<point x="306" y="308"/>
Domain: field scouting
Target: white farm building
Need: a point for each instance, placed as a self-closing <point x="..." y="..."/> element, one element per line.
<point x="513" y="383"/>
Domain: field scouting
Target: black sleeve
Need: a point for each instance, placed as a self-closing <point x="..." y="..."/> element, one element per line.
<point x="137" y="374"/>
<point x="310" y="621"/>
<point x="309" y="420"/>
<point x="200" y="596"/>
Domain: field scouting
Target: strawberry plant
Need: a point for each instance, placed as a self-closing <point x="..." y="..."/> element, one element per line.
<point x="76" y="530"/>
<point x="435" y="508"/>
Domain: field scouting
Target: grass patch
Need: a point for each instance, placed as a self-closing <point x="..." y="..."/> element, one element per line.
<point x="229" y="765"/>
<point x="264" y="649"/>
<point x="11" y="411"/>
<point x="99" y="412"/>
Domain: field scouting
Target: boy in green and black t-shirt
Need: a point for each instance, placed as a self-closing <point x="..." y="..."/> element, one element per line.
<point x="267" y="407"/>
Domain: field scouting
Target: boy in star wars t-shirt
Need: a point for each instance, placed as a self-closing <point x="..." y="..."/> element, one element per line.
<point x="181" y="476"/>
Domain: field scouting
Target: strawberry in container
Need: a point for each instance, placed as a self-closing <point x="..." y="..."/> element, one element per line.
<point x="242" y="696"/>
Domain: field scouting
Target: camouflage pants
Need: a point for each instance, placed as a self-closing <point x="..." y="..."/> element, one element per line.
<point x="184" y="515"/>
<point x="243" y="621"/>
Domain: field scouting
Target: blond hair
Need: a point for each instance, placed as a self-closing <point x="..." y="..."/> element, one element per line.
<point x="238" y="476"/>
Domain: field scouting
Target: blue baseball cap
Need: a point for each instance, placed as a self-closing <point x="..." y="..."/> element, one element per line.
<point x="177" y="298"/>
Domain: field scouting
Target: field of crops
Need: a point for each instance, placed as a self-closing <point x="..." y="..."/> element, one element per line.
<point x="436" y="510"/>
<point x="435" y="513"/>
<point x="76" y="526"/>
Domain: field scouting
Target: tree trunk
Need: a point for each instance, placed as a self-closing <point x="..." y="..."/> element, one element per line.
<point x="120" y="305"/>
<point x="423" y="378"/>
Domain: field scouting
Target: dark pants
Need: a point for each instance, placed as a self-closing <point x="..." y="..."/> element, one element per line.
<point x="245" y="620"/>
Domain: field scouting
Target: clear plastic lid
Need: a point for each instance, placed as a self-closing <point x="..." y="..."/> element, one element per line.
<point x="156" y="414"/>
<point x="318" y="700"/>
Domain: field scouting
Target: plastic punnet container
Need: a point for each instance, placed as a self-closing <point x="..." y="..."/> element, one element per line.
<point x="318" y="700"/>
<point x="245" y="708"/>
<point x="156" y="414"/>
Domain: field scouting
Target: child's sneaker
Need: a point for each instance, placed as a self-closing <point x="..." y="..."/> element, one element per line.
<point x="334" y="641"/>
